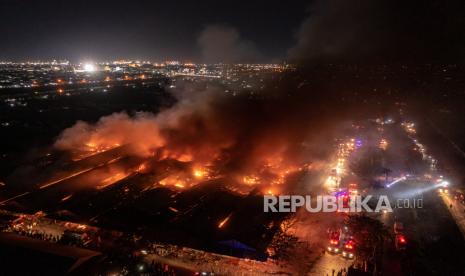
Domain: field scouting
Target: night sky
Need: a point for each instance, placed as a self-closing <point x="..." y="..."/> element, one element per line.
<point x="156" y="30"/>
<point x="233" y="31"/>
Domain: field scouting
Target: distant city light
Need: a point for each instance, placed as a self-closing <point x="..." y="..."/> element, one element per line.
<point x="89" y="67"/>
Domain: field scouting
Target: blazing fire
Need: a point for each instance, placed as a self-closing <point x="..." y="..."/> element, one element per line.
<point x="203" y="137"/>
<point x="200" y="173"/>
<point x="142" y="168"/>
<point x="250" y="180"/>
<point x="113" y="179"/>
<point x="174" y="181"/>
<point x="92" y="149"/>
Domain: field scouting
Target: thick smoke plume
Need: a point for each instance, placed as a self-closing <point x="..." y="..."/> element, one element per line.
<point x="140" y="131"/>
<point x="381" y="31"/>
<point x="245" y="136"/>
<point x="223" y="44"/>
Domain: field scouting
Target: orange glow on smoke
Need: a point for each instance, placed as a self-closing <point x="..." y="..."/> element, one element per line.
<point x="149" y="142"/>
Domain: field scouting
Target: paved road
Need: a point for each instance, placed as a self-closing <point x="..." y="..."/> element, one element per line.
<point x="312" y="228"/>
<point x="329" y="264"/>
<point x="435" y="243"/>
<point x="457" y="211"/>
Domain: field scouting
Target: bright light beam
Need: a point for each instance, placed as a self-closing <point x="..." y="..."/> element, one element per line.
<point x="395" y="181"/>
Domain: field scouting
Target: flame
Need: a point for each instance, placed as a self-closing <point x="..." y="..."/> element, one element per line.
<point x="113" y="179"/>
<point x="184" y="158"/>
<point x="174" y="135"/>
<point x="141" y="168"/>
<point x="251" y="180"/>
<point x="174" y="181"/>
<point x="200" y="173"/>
<point x="179" y="185"/>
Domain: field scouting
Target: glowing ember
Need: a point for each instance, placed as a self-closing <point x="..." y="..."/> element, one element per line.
<point x="66" y="198"/>
<point x="224" y="221"/>
<point x="174" y="181"/>
<point x="112" y="179"/>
